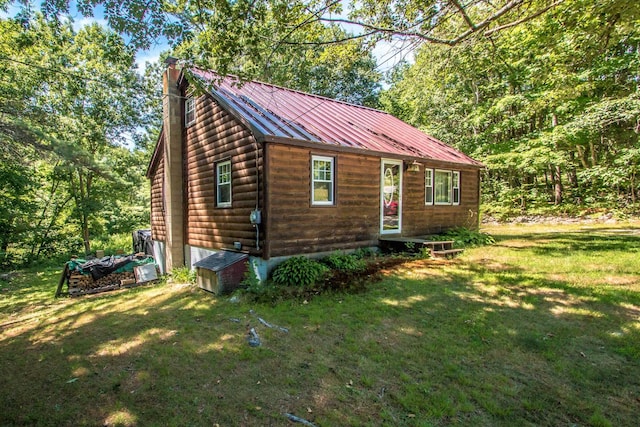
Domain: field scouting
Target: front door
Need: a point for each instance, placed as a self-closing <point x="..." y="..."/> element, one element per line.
<point x="391" y="197"/>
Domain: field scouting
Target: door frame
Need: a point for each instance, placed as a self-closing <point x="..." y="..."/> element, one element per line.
<point x="398" y="163"/>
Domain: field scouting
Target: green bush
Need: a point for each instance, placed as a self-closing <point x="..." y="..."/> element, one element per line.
<point x="251" y="282"/>
<point x="344" y="262"/>
<point x="298" y="271"/>
<point x="111" y="243"/>
<point x="463" y="237"/>
<point x="7" y="261"/>
<point x="364" y="253"/>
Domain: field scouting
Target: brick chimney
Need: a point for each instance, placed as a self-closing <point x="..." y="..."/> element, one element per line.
<point x="173" y="165"/>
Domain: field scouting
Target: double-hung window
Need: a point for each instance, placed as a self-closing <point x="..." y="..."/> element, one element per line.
<point x="428" y="186"/>
<point x="223" y="184"/>
<point x="189" y="111"/>
<point x="446" y="188"/>
<point x="322" y="180"/>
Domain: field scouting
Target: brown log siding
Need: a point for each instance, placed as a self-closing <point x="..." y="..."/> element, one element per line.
<point x="217" y="136"/>
<point x="419" y="219"/>
<point x="298" y="227"/>
<point x="158" y="228"/>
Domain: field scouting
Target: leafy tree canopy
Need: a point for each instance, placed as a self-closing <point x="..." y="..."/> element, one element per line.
<point x="69" y="100"/>
<point x="552" y="107"/>
<point x="228" y="33"/>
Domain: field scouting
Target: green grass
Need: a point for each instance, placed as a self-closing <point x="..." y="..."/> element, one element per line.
<point x="543" y="328"/>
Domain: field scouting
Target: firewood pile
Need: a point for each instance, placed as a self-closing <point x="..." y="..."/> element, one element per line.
<point x="80" y="284"/>
<point x="106" y="273"/>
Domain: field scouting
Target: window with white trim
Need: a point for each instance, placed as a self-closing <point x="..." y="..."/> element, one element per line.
<point x="223" y="184"/>
<point x="428" y="186"/>
<point x="322" y="180"/>
<point x="442" y="187"/>
<point x="455" y="186"/>
<point x="189" y="111"/>
<point x="446" y="187"/>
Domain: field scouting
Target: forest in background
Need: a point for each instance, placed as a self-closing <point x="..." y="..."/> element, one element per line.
<point x="552" y="108"/>
<point x="546" y="94"/>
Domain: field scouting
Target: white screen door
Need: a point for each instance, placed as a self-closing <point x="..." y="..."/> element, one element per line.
<point x="391" y="196"/>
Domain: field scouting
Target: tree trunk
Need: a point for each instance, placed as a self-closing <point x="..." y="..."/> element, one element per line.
<point x="85" y="189"/>
<point x="43" y="215"/>
<point x="547" y="187"/>
<point x="581" y="156"/>
<point x="54" y="215"/>
<point x="556" y="171"/>
<point x="85" y="235"/>
<point x="81" y="197"/>
<point x="557" y="180"/>
<point x="573" y="178"/>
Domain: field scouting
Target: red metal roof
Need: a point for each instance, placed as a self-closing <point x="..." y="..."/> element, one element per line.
<point x="286" y="113"/>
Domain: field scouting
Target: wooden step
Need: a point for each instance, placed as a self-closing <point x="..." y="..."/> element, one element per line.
<point x="446" y="253"/>
<point x="414" y="243"/>
<point x="439" y="244"/>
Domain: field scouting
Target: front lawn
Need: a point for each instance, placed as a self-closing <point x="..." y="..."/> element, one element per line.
<point x="542" y="328"/>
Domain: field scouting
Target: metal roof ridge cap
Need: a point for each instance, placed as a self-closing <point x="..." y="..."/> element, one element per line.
<point x="224" y="78"/>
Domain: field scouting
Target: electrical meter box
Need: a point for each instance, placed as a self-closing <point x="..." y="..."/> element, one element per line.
<point x="255" y="217"/>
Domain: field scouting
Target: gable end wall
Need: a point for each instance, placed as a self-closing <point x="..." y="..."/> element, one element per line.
<point x="217" y="136"/>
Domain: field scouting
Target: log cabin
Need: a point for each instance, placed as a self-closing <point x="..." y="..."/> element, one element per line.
<point x="272" y="172"/>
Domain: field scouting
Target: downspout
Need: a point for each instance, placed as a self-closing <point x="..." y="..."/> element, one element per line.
<point x="257" y="225"/>
<point x="266" y="251"/>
